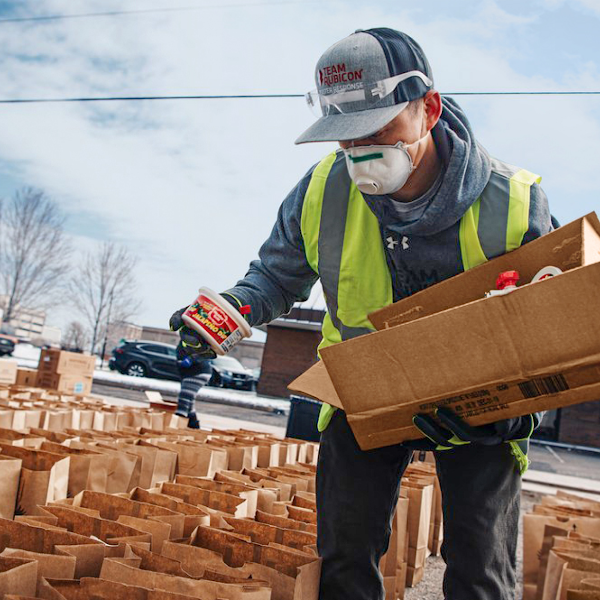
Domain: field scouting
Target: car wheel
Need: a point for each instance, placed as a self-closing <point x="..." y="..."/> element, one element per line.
<point x="136" y="369"/>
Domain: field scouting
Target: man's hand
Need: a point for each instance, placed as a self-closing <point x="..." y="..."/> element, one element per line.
<point x="191" y="344"/>
<point x="452" y="431"/>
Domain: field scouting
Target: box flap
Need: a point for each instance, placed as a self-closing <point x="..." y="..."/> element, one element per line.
<point x="316" y="383"/>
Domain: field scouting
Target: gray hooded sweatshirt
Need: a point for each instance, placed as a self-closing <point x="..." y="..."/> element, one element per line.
<point x="419" y="252"/>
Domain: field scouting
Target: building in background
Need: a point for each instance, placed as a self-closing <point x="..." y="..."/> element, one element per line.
<point x="249" y="353"/>
<point x="290" y="349"/>
<point x="29" y="325"/>
<point x="158" y="334"/>
<point x="118" y="331"/>
<point x="51" y="336"/>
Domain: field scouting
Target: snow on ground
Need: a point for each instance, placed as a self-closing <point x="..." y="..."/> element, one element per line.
<point x="26" y="355"/>
<point x="226" y="396"/>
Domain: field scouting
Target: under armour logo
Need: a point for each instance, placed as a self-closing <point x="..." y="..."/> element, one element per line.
<point x="392" y="243"/>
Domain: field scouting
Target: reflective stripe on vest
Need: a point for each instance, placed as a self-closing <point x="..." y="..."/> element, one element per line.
<point x="494" y="226"/>
<point x="343" y="245"/>
<point x="343" y="242"/>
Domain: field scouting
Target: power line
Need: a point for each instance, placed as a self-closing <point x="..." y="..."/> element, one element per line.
<point x="141" y="11"/>
<point x="257" y="96"/>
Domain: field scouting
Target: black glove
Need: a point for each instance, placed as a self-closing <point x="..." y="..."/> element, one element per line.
<point x="452" y="431"/>
<point x="192" y="347"/>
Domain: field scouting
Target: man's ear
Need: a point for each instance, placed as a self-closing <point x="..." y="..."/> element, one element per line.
<point x="432" y="102"/>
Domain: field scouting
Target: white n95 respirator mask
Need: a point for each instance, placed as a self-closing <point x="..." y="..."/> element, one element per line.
<point x="380" y="170"/>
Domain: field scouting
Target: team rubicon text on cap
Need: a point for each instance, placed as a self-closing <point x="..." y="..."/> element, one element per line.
<point x="338" y="74"/>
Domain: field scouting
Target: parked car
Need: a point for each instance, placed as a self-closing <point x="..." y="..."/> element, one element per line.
<point x="7" y="346"/>
<point x="145" y="359"/>
<point x="230" y="373"/>
<point x="154" y="359"/>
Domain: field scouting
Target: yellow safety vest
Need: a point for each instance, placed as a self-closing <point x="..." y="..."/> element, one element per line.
<point x="343" y="243"/>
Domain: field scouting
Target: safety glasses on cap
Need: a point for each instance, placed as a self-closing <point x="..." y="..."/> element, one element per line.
<point x="358" y="96"/>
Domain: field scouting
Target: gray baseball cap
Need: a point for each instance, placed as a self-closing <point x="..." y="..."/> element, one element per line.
<point x="363" y="82"/>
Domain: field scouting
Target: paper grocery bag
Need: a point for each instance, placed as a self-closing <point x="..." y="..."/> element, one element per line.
<point x="88" y="470"/>
<point x="292" y="574"/>
<point x="551" y="534"/>
<point x="20" y="438"/>
<point x="241" y="456"/>
<point x="158" y="464"/>
<point x="235" y="489"/>
<point x="591" y="584"/>
<point x="49" y="565"/>
<point x="115" y="570"/>
<point x="112" y="506"/>
<point x="533" y="539"/>
<point x="88" y="589"/>
<point x="123" y="469"/>
<point x="18" y="576"/>
<point x="566" y="571"/>
<point x="37" y="539"/>
<point x="394" y="557"/>
<point x="268" y="454"/>
<point x="197" y="459"/>
<point x="177" y="505"/>
<point x="227" y="503"/>
<point x="89" y="558"/>
<point x="264" y="497"/>
<point x="99" y="589"/>
<point x="160" y="532"/>
<point x="262" y="478"/>
<point x="284" y="522"/>
<point x="583" y="595"/>
<point x="152" y="561"/>
<point x="44" y="477"/>
<point x="264" y="534"/>
<point x="10" y="472"/>
<point x="103" y="529"/>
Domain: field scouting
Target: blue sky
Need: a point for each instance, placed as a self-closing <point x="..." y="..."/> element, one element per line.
<point x="193" y="187"/>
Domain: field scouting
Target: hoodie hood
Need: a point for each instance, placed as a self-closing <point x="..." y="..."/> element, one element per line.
<point x="467" y="168"/>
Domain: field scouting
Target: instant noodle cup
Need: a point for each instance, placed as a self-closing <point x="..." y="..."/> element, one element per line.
<point x="217" y="321"/>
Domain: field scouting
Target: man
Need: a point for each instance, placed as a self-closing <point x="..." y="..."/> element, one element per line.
<point x="410" y="199"/>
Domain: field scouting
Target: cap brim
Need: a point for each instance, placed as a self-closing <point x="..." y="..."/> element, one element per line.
<point x="350" y="126"/>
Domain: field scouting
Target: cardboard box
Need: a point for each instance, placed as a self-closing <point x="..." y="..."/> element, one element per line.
<point x="60" y="362"/>
<point x="8" y="372"/>
<point x="27" y="377"/>
<point x="488" y="359"/>
<point x="68" y="384"/>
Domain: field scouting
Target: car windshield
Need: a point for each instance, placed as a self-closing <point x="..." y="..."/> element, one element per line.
<point x="227" y="363"/>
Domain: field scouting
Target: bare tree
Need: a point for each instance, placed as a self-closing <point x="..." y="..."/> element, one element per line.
<point x="76" y="337"/>
<point x="34" y="252"/>
<point x="104" y="288"/>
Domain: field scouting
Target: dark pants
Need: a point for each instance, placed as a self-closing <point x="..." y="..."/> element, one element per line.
<point x="357" y="492"/>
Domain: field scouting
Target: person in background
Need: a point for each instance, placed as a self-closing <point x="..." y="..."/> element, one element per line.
<point x="193" y="377"/>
